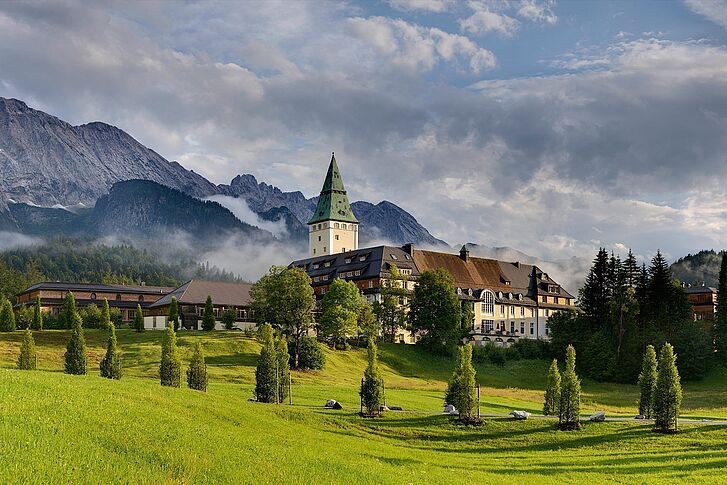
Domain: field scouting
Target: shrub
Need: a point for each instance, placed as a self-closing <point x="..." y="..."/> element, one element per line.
<point x="311" y="355"/>
<point x="105" y="322"/>
<point x="461" y="391"/>
<point x="110" y="365"/>
<point x="174" y="313"/>
<point x="91" y="316"/>
<point x="552" y="391"/>
<point x="7" y="317"/>
<point x="265" y="372"/>
<point x="532" y="349"/>
<point x="75" y="357"/>
<point x="282" y="367"/>
<point x="228" y="317"/>
<point x="115" y="315"/>
<point x="208" y="318"/>
<point x="667" y="392"/>
<point x="197" y="370"/>
<point x="139" y="319"/>
<point x="647" y="381"/>
<point x="372" y="385"/>
<point x="24" y="317"/>
<point x="170" y="367"/>
<point x="570" y="394"/>
<point x="69" y="312"/>
<point x="28" y="358"/>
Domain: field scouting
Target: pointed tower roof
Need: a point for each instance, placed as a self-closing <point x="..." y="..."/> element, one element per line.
<point x="333" y="202"/>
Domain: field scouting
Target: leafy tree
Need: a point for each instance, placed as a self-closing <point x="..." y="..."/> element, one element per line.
<point x="391" y="310"/>
<point x="105" y="322"/>
<point x="367" y="323"/>
<point x="284" y="296"/>
<point x="282" y="367"/>
<point x="208" y="317"/>
<point x="91" y="316"/>
<point x="28" y="358"/>
<point x="569" y="408"/>
<point x="197" y="370"/>
<point x="174" y="313"/>
<point x="372" y="385"/>
<point x="552" y="390"/>
<point x="668" y="392"/>
<point x="311" y="355"/>
<point x="468" y="315"/>
<point x="7" y="317"/>
<point x="720" y="334"/>
<point x="461" y="391"/>
<point x="435" y="311"/>
<point x="75" y="357"/>
<point x="340" y="311"/>
<point x="139" y="319"/>
<point x="116" y="317"/>
<point x="170" y="367"/>
<point x="647" y="382"/>
<point x="69" y="311"/>
<point x="110" y="365"/>
<point x="266" y="387"/>
<point x="37" y="315"/>
<point x="228" y="317"/>
<point x="24" y="317"/>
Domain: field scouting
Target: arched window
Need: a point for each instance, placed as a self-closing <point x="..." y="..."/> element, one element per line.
<point x="343" y="226"/>
<point x="141" y="297"/>
<point x="488" y="302"/>
<point x="336" y="225"/>
<point x="118" y="296"/>
<point x="93" y="296"/>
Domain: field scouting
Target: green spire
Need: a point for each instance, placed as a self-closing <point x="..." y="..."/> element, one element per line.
<point x="333" y="201"/>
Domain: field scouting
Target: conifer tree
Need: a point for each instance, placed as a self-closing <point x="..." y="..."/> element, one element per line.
<point x="631" y="270"/>
<point x="69" y="311"/>
<point x="139" y="319"/>
<point x="552" y="390"/>
<point x="647" y="382"/>
<point x="667" y="393"/>
<point x="110" y="365"/>
<point x="720" y="336"/>
<point x="170" y="367"/>
<point x="197" y="370"/>
<point x="462" y="391"/>
<point x="570" y="394"/>
<point x="265" y="372"/>
<point x="75" y="357"/>
<point x="174" y="313"/>
<point x="105" y="323"/>
<point x="37" y="315"/>
<point x="372" y="386"/>
<point x="208" y="318"/>
<point x="283" y="367"/>
<point x="27" y="359"/>
<point x="7" y="317"/>
<point x="595" y="292"/>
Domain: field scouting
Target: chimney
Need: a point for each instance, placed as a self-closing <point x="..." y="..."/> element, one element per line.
<point x="464" y="253"/>
<point x="408" y="248"/>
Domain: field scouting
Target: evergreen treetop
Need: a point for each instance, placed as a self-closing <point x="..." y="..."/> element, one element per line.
<point x="266" y="376"/>
<point x="372" y="385"/>
<point x="208" y="317"/>
<point x="647" y="382"/>
<point x="170" y="366"/>
<point x="110" y="365"/>
<point x="197" y="370"/>
<point x="75" y="357"/>
<point x="105" y="315"/>
<point x="570" y="394"/>
<point x="139" y="319"/>
<point x="552" y="390"/>
<point x="28" y="358"/>
<point x="667" y="392"/>
<point x="7" y="316"/>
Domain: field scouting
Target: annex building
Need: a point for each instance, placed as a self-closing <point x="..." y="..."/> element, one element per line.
<point x="510" y="300"/>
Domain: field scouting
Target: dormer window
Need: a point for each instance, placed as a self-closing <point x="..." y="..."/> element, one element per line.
<point x="520" y="296"/>
<point x="327" y="264"/>
<point x="362" y="258"/>
<point x="348" y="260"/>
<point x="499" y="295"/>
<point x="459" y="291"/>
<point x="393" y="256"/>
<point x="316" y="266"/>
<point x="509" y="296"/>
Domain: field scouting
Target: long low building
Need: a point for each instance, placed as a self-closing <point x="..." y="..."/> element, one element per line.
<point x="154" y="300"/>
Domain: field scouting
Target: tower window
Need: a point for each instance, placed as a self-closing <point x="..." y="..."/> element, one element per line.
<point x="319" y="238"/>
<point x="343" y="226"/>
<point x="336" y="237"/>
<point x="336" y="226"/>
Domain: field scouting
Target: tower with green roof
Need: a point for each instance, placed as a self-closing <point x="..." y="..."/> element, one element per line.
<point x="333" y="228"/>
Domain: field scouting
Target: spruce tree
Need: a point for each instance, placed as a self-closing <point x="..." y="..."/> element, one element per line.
<point x="667" y="393"/>
<point x="7" y="317"/>
<point x="265" y="372"/>
<point x="37" y="315"/>
<point x="197" y="370"/>
<point x="69" y="311"/>
<point x="552" y="390"/>
<point x="462" y="391"/>
<point x="372" y="386"/>
<point x="631" y="270"/>
<point x="283" y="367"/>
<point x="647" y="382"/>
<point x="110" y="365"/>
<point x="139" y="319"/>
<point x="208" y="318"/>
<point x="105" y="323"/>
<point x="170" y="367"/>
<point x="174" y="313"/>
<point x="570" y="394"/>
<point x="594" y="296"/>
<point x="75" y="358"/>
<point x="720" y="334"/>
<point x="27" y="359"/>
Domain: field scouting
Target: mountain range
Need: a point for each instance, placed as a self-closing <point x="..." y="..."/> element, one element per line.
<point x="48" y="163"/>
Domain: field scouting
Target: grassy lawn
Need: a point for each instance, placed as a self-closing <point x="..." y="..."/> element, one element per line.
<point x="56" y="428"/>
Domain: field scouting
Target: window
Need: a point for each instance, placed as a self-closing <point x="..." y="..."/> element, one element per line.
<point x="141" y="297"/>
<point x="547" y="330"/>
<point x="316" y="279"/>
<point x="327" y="264"/>
<point x="512" y="327"/>
<point x="371" y="284"/>
<point x="319" y="238"/>
<point x="217" y="311"/>
<point x="532" y="312"/>
<point x="93" y="296"/>
<point x="393" y="256"/>
<point x="316" y="266"/>
<point x="324" y="249"/>
<point x="118" y="296"/>
<point x="323" y="291"/>
<point x="343" y="226"/>
<point x="512" y="310"/>
<point x="488" y="325"/>
<point x="314" y="250"/>
<point x="336" y="237"/>
<point x="556" y="300"/>
<point x="502" y="310"/>
<point x="532" y="328"/>
<point x="241" y="313"/>
<point x="362" y="258"/>
<point x="547" y="312"/>
<point x="342" y="249"/>
<point x="501" y="325"/>
<point x="522" y="328"/>
<point x="488" y="303"/>
<point x="348" y="260"/>
<point x="336" y="225"/>
<point x="545" y="299"/>
<point x="357" y="273"/>
<point x="522" y="311"/>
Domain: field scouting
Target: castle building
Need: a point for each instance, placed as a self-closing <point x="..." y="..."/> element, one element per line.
<point x="510" y="300"/>
<point x="333" y="228"/>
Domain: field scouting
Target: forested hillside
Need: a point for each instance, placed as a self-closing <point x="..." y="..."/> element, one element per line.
<point x="700" y="268"/>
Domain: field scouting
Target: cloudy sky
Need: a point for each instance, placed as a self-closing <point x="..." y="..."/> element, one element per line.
<point x="553" y="127"/>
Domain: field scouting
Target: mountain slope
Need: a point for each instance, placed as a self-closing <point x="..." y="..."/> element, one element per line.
<point x="700" y="268"/>
<point x="46" y="161"/>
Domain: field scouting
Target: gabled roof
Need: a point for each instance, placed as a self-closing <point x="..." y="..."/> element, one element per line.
<point x="64" y="286"/>
<point x="473" y="273"/>
<point x="194" y="292"/>
<point x="333" y="202"/>
<point x="377" y="260"/>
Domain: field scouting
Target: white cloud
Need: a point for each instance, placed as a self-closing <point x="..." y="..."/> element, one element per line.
<point x="713" y="10"/>
<point x="538" y="11"/>
<point x="436" y="6"/>
<point x="243" y="212"/>
<point x="498" y="16"/>
<point x="484" y="20"/>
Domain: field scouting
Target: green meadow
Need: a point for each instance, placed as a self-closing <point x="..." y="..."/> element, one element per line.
<point x="57" y="428"/>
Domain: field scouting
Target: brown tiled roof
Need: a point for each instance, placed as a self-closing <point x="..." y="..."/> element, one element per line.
<point x="474" y="273"/>
<point x="194" y="292"/>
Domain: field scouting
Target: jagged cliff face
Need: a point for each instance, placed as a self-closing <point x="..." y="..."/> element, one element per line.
<point x="46" y="161"/>
<point x="262" y="197"/>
